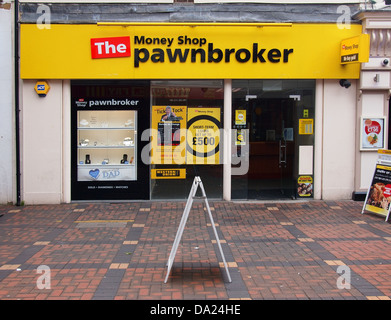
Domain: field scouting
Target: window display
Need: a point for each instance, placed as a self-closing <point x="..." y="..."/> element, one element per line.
<point x="107" y="145"/>
<point x="107" y="121"/>
<point x="186" y="116"/>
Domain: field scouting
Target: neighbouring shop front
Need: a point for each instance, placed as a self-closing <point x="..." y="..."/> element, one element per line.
<point x="146" y="107"/>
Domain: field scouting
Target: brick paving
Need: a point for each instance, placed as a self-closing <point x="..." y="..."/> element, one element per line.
<point x="118" y="251"/>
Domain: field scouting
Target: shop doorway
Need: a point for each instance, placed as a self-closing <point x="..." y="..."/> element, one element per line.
<point x="271" y="149"/>
<point x="273" y="114"/>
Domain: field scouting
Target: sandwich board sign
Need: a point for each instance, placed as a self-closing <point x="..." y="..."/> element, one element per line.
<point x="378" y="197"/>
<point x="192" y="195"/>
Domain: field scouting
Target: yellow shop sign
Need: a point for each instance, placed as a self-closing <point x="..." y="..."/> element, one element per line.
<point x="147" y="51"/>
<point x="355" y="49"/>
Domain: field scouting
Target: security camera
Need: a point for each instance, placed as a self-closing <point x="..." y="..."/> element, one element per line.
<point x="385" y="62"/>
<point x="344" y="83"/>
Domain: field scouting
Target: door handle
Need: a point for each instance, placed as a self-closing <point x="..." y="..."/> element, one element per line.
<point x="282" y="154"/>
<point x="279" y="154"/>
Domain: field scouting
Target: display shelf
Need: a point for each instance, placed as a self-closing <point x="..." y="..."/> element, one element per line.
<point x="107" y="136"/>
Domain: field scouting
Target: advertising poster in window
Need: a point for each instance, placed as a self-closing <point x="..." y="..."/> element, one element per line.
<point x="240" y="117"/>
<point x="168" y="135"/>
<point x="379" y="194"/>
<point x="372" y="133"/>
<point x="203" y="136"/>
<point x="306" y="126"/>
<point x="305" y="186"/>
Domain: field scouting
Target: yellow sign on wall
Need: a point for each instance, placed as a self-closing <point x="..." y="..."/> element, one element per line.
<point x="355" y="49"/>
<point x="297" y="51"/>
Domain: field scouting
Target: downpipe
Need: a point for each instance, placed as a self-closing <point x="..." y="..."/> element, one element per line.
<point x="17" y="101"/>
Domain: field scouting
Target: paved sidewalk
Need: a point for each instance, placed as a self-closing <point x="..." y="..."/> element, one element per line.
<point x="117" y="251"/>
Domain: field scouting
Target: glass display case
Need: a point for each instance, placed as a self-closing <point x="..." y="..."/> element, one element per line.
<point x="107" y="120"/>
<point x="107" y="145"/>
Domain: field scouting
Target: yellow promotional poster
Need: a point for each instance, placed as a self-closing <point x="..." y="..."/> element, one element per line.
<point x="203" y="136"/>
<point x="306" y="126"/>
<point x="168" y="145"/>
<point x="240" y="117"/>
<point x="356" y="49"/>
<point x="240" y="138"/>
<point x="194" y="51"/>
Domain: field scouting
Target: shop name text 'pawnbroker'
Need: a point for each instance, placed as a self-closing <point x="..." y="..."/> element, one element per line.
<point x="210" y="54"/>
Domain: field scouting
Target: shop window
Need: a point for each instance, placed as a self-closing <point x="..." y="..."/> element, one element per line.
<point x="107" y="118"/>
<point x="186" y="118"/>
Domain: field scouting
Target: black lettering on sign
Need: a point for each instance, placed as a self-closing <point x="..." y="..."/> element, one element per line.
<point x="210" y="55"/>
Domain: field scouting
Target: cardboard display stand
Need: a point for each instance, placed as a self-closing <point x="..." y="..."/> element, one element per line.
<point x="378" y="197"/>
<point x="196" y="183"/>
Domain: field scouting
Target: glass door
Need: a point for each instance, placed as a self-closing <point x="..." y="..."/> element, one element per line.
<point x="271" y="112"/>
<point x="271" y="150"/>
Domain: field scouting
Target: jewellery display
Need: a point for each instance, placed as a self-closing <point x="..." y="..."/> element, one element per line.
<point x="128" y="141"/>
<point x="84" y="142"/>
<point x="84" y="123"/>
<point x="113" y="136"/>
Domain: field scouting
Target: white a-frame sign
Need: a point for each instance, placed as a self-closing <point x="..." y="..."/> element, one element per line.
<point x="196" y="183"/>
